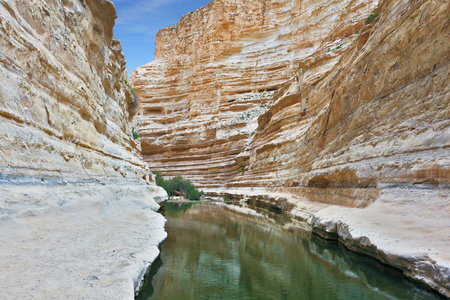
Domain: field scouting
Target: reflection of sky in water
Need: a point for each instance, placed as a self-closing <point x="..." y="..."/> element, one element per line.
<point x="215" y="253"/>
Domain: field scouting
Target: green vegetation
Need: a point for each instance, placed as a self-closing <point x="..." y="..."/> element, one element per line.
<point x="372" y="16"/>
<point x="135" y="102"/>
<point x="250" y="114"/>
<point x="337" y="48"/>
<point x="243" y="169"/>
<point x="132" y="89"/>
<point x="178" y="186"/>
<point x="135" y="135"/>
<point x="357" y="31"/>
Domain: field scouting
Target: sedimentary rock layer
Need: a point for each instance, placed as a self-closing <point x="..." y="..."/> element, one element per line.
<point x="300" y="93"/>
<point x="225" y="65"/>
<point x="65" y="108"/>
<point x="76" y="200"/>
<point x="335" y="102"/>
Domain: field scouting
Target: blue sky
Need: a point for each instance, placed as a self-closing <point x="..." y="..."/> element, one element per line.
<point x="139" y="20"/>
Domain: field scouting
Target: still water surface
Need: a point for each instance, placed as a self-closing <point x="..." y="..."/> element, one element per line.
<point x="214" y="252"/>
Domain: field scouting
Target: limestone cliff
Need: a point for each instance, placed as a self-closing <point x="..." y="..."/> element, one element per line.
<point x="334" y="102"/>
<point x="76" y="200"/>
<point x="299" y="93"/>
<point x="62" y="74"/>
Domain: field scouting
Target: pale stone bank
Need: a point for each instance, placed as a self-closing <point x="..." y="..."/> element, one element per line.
<point x="77" y="203"/>
<point x="336" y="112"/>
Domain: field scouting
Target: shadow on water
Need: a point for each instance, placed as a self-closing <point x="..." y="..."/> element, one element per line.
<point x="147" y="289"/>
<point x="214" y="252"/>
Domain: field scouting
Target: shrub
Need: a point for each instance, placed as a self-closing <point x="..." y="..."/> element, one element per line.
<point x="178" y="186"/>
<point x="132" y="89"/>
<point x="135" y="135"/>
<point x="372" y="16"/>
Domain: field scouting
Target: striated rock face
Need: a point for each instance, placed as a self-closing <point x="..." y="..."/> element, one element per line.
<point x="76" y="200"/>
<point x="300" y="93"/>
<point x="65" y="110"/>
<point x="224" y="71"/>
<point x="309" y="98"/>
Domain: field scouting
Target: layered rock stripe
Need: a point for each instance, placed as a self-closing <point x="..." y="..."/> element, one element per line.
<point x="299" y="93"/>
<point x="62" y="74"/>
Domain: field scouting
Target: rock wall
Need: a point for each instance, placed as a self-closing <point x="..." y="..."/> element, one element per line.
<point x="221" y="68"/>
<point x="77" y="202"/>
<point x="300" y="93"/>
<point x="65" y="109"/>
<point x="317" y="100"/>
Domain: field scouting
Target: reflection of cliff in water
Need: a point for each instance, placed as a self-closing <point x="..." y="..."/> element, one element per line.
<point x="368" y="271"/>
<point x="213" y="252"/>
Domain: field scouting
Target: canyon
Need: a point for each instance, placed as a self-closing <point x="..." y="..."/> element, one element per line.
<point x="335" y="112"/>
<point x="77" y="203"/>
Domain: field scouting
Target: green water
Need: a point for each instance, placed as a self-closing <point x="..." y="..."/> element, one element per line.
<point x="213" y="252"/>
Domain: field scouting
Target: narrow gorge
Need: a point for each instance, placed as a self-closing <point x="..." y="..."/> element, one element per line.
<point x="335" y="113"/>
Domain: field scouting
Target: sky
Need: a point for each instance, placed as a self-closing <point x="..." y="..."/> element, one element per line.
<point x="138" y="23"/>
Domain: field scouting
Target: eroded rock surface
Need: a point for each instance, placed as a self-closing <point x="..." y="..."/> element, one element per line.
<point x="246" y="93"/>
<point x="62" y="76"/>
<point x="316" y="99"/>
<point x="77" y="203"/>
<point x="84" y="241"/>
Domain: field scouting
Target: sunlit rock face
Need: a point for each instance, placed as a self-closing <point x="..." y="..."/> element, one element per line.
<point x="77" y="203"/>
<point x="65" y="110"/>
<point x="300" y="94"/>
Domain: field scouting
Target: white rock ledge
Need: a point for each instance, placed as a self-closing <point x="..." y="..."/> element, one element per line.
<point x="407" y="228"/>
<point x="87" y="241"/>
